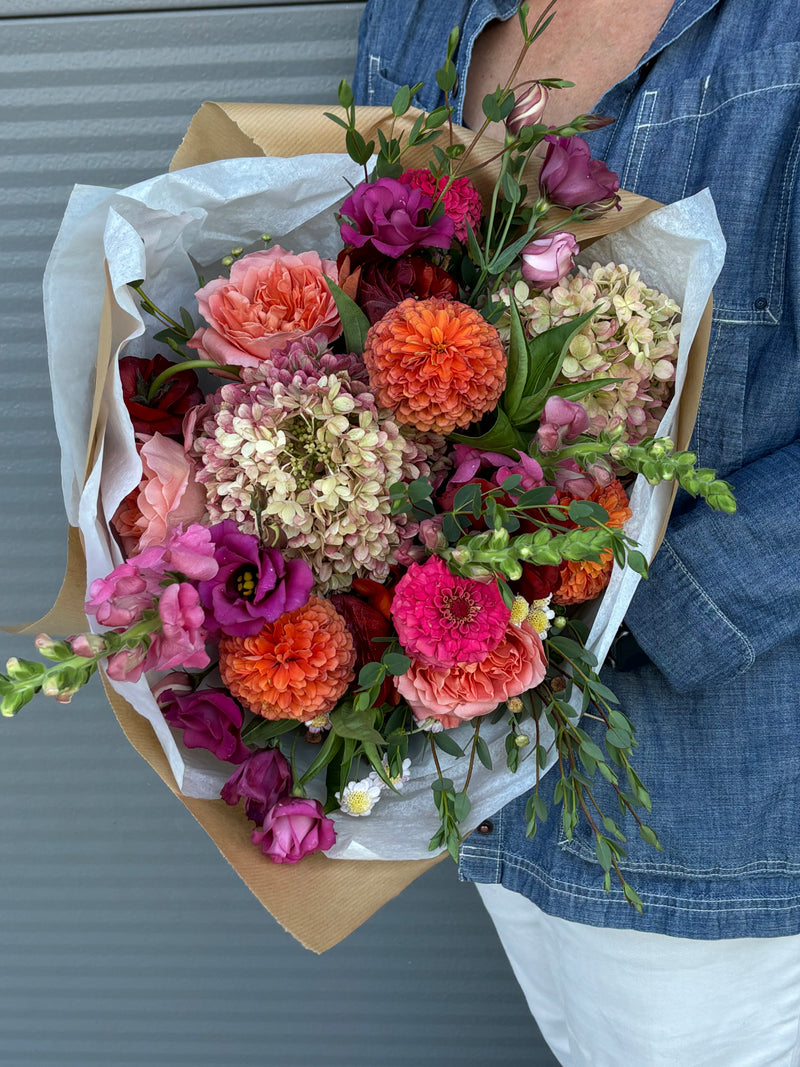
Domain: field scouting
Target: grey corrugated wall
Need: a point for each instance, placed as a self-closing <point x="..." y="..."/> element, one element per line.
<point x="125" y="938"/>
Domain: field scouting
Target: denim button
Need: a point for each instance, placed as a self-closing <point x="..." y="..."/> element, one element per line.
<point x="760" y="303"/>
<point x="486" y="827"/>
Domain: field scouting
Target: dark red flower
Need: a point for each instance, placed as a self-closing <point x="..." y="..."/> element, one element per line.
<point x="164" y="412"/>
<point x="365" y="623"/>
<point x="378" y="284"/>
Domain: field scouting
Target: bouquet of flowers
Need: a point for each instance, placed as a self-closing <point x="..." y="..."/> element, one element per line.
<point x="358" y="554"/>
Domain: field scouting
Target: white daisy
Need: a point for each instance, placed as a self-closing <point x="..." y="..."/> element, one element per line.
<point x="399" y="780"/>
<point x="359" y="798"/>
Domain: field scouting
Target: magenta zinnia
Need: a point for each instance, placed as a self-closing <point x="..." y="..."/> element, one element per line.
<point x="443" y="620"/>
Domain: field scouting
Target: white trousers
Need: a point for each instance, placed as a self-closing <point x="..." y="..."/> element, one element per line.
<point x="621" y="998"/>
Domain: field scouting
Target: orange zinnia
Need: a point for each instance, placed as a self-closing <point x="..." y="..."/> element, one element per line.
<point x="294" y="668"/>
<point x="583" y="580"/>
<point x="437" y="363"/>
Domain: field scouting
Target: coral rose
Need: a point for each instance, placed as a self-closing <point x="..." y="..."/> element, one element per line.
<point x="437" y="363"/>
<point x="463" y="692"/>
<point x="167" y="497"/>
<point x="294" y="668"/>
<point x="271" y="299"/>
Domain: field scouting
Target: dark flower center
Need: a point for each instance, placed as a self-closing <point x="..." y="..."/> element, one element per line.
<point x="459" y="609"/>
<point x="245" y="580"/>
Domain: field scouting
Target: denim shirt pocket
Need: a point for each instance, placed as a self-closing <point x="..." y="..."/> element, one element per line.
<point x="701" y="123"/>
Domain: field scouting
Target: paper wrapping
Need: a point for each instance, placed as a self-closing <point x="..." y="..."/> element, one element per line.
<point x="147" y="231"/>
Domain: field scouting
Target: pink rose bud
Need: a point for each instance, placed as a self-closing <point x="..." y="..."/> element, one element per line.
<point x="546" y="260"/>
<point x="530" y="99"/>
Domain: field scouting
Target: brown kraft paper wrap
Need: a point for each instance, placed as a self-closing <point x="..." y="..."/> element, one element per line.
<point x="353" y="890"/>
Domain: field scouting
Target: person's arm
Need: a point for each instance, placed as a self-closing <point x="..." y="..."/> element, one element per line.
<point x="725" y="589"/>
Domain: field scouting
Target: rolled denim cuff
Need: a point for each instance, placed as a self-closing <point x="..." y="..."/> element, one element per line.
<point x="683" y="631"/>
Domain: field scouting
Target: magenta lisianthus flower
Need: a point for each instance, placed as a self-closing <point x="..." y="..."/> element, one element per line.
<point x="442" y="620"/>
<point x="571" y="178"/>
<point x="263" y="779"/>
<point x="562" y="420"/>
<point x="295" y="827"/>
<point x="253" y="585"/>
<point x="391" y="217"/>
<point x="462" y="201"/>
<point x="469" y="461"/>
<point x="210" y="719"/>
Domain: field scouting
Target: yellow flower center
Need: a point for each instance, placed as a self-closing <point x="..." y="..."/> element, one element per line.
<point x="539" y="621"/>
<point x="358" y="803"/>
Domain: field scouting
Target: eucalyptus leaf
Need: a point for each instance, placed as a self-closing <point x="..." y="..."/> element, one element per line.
<point x="447" y="744"/>
<point x="347" y="721"/>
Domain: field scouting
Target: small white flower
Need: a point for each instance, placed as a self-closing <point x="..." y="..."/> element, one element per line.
<point x="399" y="780"/>
<point x="318" y="723"/>
<point x="359" y="798"/>
<point x="431" y="725"/>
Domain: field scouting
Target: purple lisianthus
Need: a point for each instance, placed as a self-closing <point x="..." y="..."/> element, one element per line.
<point x="261" y="781"/>
<point x="210" y="719"/>
<point x="253" y="585"/>
<point x="294" y="828"/>
<point x="392" y="217"/>
<point x="571" y="178"/>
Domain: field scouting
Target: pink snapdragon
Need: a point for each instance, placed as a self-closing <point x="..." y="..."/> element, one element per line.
<point x="562" y="420"/>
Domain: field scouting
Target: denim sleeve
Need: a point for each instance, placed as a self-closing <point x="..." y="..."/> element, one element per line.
<point x="725" y="589"/>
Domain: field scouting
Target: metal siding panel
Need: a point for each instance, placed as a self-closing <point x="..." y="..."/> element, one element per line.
<point x="125" y="939"/>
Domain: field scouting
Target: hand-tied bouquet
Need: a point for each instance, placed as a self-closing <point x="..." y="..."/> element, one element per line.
<point x="367" y="548"/>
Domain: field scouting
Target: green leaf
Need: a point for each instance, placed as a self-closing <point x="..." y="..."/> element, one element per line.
<point x="484" y="755"/>
<point x="517" y="364"/>
<point x="442" y="785"/>
<point x="617" y="739"/>
<point x="418" y="490"/>
<point x="535" y="498"/>
<point x="347" y="721"/>
<point x="578" y="390"/>
<point x="589" y="748"/>
<point x="461" y="807"/>
<point x="649" y="836"/>
<point x="587" y="513"/>
<point x="329" y="748"/>
<point x="402" y="101"/>
<point x="369" y="674"/>
<point x="336" y="119"/>
<point x="396" y="663"/>
<point x="475" y="250"/>
<point x="633" y="897"/>
<point x="546" y="354"/>
<point x="637" y="562"/>
<point x="502" y="437"/>
<point x="437" y="118"/>
<point x="259" y="731"/>
<point x="345" y="94"/>
<point x="354" y="322"/>
<point x="447" y="744"/>
<point x="188" y="323"/>
<point x="603" y="853"/>
<point x="491" y="108"/>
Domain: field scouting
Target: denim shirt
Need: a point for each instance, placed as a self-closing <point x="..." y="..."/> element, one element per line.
<point x="715" y="102"/>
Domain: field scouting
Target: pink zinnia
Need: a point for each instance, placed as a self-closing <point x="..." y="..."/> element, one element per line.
<point x="462" y="201"/>
<point x="442" y="620"/>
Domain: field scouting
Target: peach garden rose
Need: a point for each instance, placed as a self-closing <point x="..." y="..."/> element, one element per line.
<point x="271" y="298"/>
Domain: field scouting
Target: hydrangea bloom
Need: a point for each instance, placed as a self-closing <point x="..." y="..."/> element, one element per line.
<point x="442" y="620"/>
<point x="305" y="438"/>
<point x="633" y="336"/>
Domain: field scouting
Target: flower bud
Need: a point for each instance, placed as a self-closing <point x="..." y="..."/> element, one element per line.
<point x="530" y="100"/>
<point x="521" y="740"/>
<point x="546" y="260"/>
<point x="87" y="645"/>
